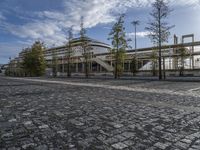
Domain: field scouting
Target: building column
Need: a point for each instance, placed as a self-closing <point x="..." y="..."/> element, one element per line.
<point x="76" y="66"/>
<point x="129" y="66"/>
<point x="141" y="64"/>
<point x="83" y="67"/>
<point x="63" y="65"/>
<point x="97" y="67"/>
<point x="90" y="66"/>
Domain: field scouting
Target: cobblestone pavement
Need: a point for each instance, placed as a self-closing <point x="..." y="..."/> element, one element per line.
<point x="96" y="114"/>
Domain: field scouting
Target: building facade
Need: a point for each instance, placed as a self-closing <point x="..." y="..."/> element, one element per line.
<point x="102" y="60"/>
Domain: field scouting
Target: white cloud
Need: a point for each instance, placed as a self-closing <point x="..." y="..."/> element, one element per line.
<point x="184" y="2"/>
<point x="94" y="12"/>
<point x="145" y="3"/>
<point x="2" y="16"/>
<point x="10" y="50"/>
<point x="139" y="34"/>
<point x="47" y="31"/>
<point x="51" y="26"/>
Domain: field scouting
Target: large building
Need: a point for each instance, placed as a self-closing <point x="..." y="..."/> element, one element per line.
<point x="96" y="64"/>
<point x="102" y="60"/>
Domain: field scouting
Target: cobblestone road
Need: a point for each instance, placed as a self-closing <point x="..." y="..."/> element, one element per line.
<point x="99" y="114"/>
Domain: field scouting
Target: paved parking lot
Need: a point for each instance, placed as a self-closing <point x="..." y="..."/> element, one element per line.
<point x="99" y="114"/>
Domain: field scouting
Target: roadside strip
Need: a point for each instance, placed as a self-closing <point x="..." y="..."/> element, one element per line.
<point x="134" y="89"/>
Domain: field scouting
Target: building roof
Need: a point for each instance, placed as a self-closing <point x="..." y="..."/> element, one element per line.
<point x="76" y="42"/>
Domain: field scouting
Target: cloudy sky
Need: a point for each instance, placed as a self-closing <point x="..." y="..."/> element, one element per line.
<point x="24" y="21"/>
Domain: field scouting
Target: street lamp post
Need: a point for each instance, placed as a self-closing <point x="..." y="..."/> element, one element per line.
<point x="135" y="24"/>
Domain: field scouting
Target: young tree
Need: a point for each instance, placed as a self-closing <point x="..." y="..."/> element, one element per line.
<point x="38" y="51"/>
<point x="183" y="54"/>
<point x="86" y="49"/>
<point x="69" y="52"/>
<point x="159" y="29"/>
<point x="25" y="60"/>
<point x="34" y="63"/>
<point x="119" y="42"/>
<point x="134" y="65"/>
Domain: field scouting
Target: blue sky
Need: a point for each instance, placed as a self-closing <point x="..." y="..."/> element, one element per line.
<point x="24" y="21"/>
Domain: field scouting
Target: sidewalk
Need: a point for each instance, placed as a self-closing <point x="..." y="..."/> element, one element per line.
<point x="111" y="77"/>
<point x="151" y="78"/>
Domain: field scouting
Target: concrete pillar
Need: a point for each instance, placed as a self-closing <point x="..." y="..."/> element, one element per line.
<point x="63" y="65"/>
<point x="170" y="63"/>
<point x="83" y="67"/>
<point x="129" y="66"/>
<point x="98" y="68"/>
<point x="142" y="63"/>
<point x="76" y="66"/>
<point x="91" y="66"/>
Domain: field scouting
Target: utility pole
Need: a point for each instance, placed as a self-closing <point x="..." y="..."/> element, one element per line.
<point x="135" y="23"/>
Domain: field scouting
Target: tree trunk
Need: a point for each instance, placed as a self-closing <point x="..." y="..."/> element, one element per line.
<point x="117" y="57"/>
<point x="116" y="66"/>
<point x="160" y="55"/>
<point x="164" y="73"/>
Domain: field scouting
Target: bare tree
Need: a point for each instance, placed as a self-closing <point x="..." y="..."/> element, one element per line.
<point x="86" y="48"/>
<point x="134" y="65"/>
<point x="159" y="29"/>
<point x="69" y="52"/>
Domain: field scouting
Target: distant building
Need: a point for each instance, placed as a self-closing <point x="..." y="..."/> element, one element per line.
<point x="3" y="68"/>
